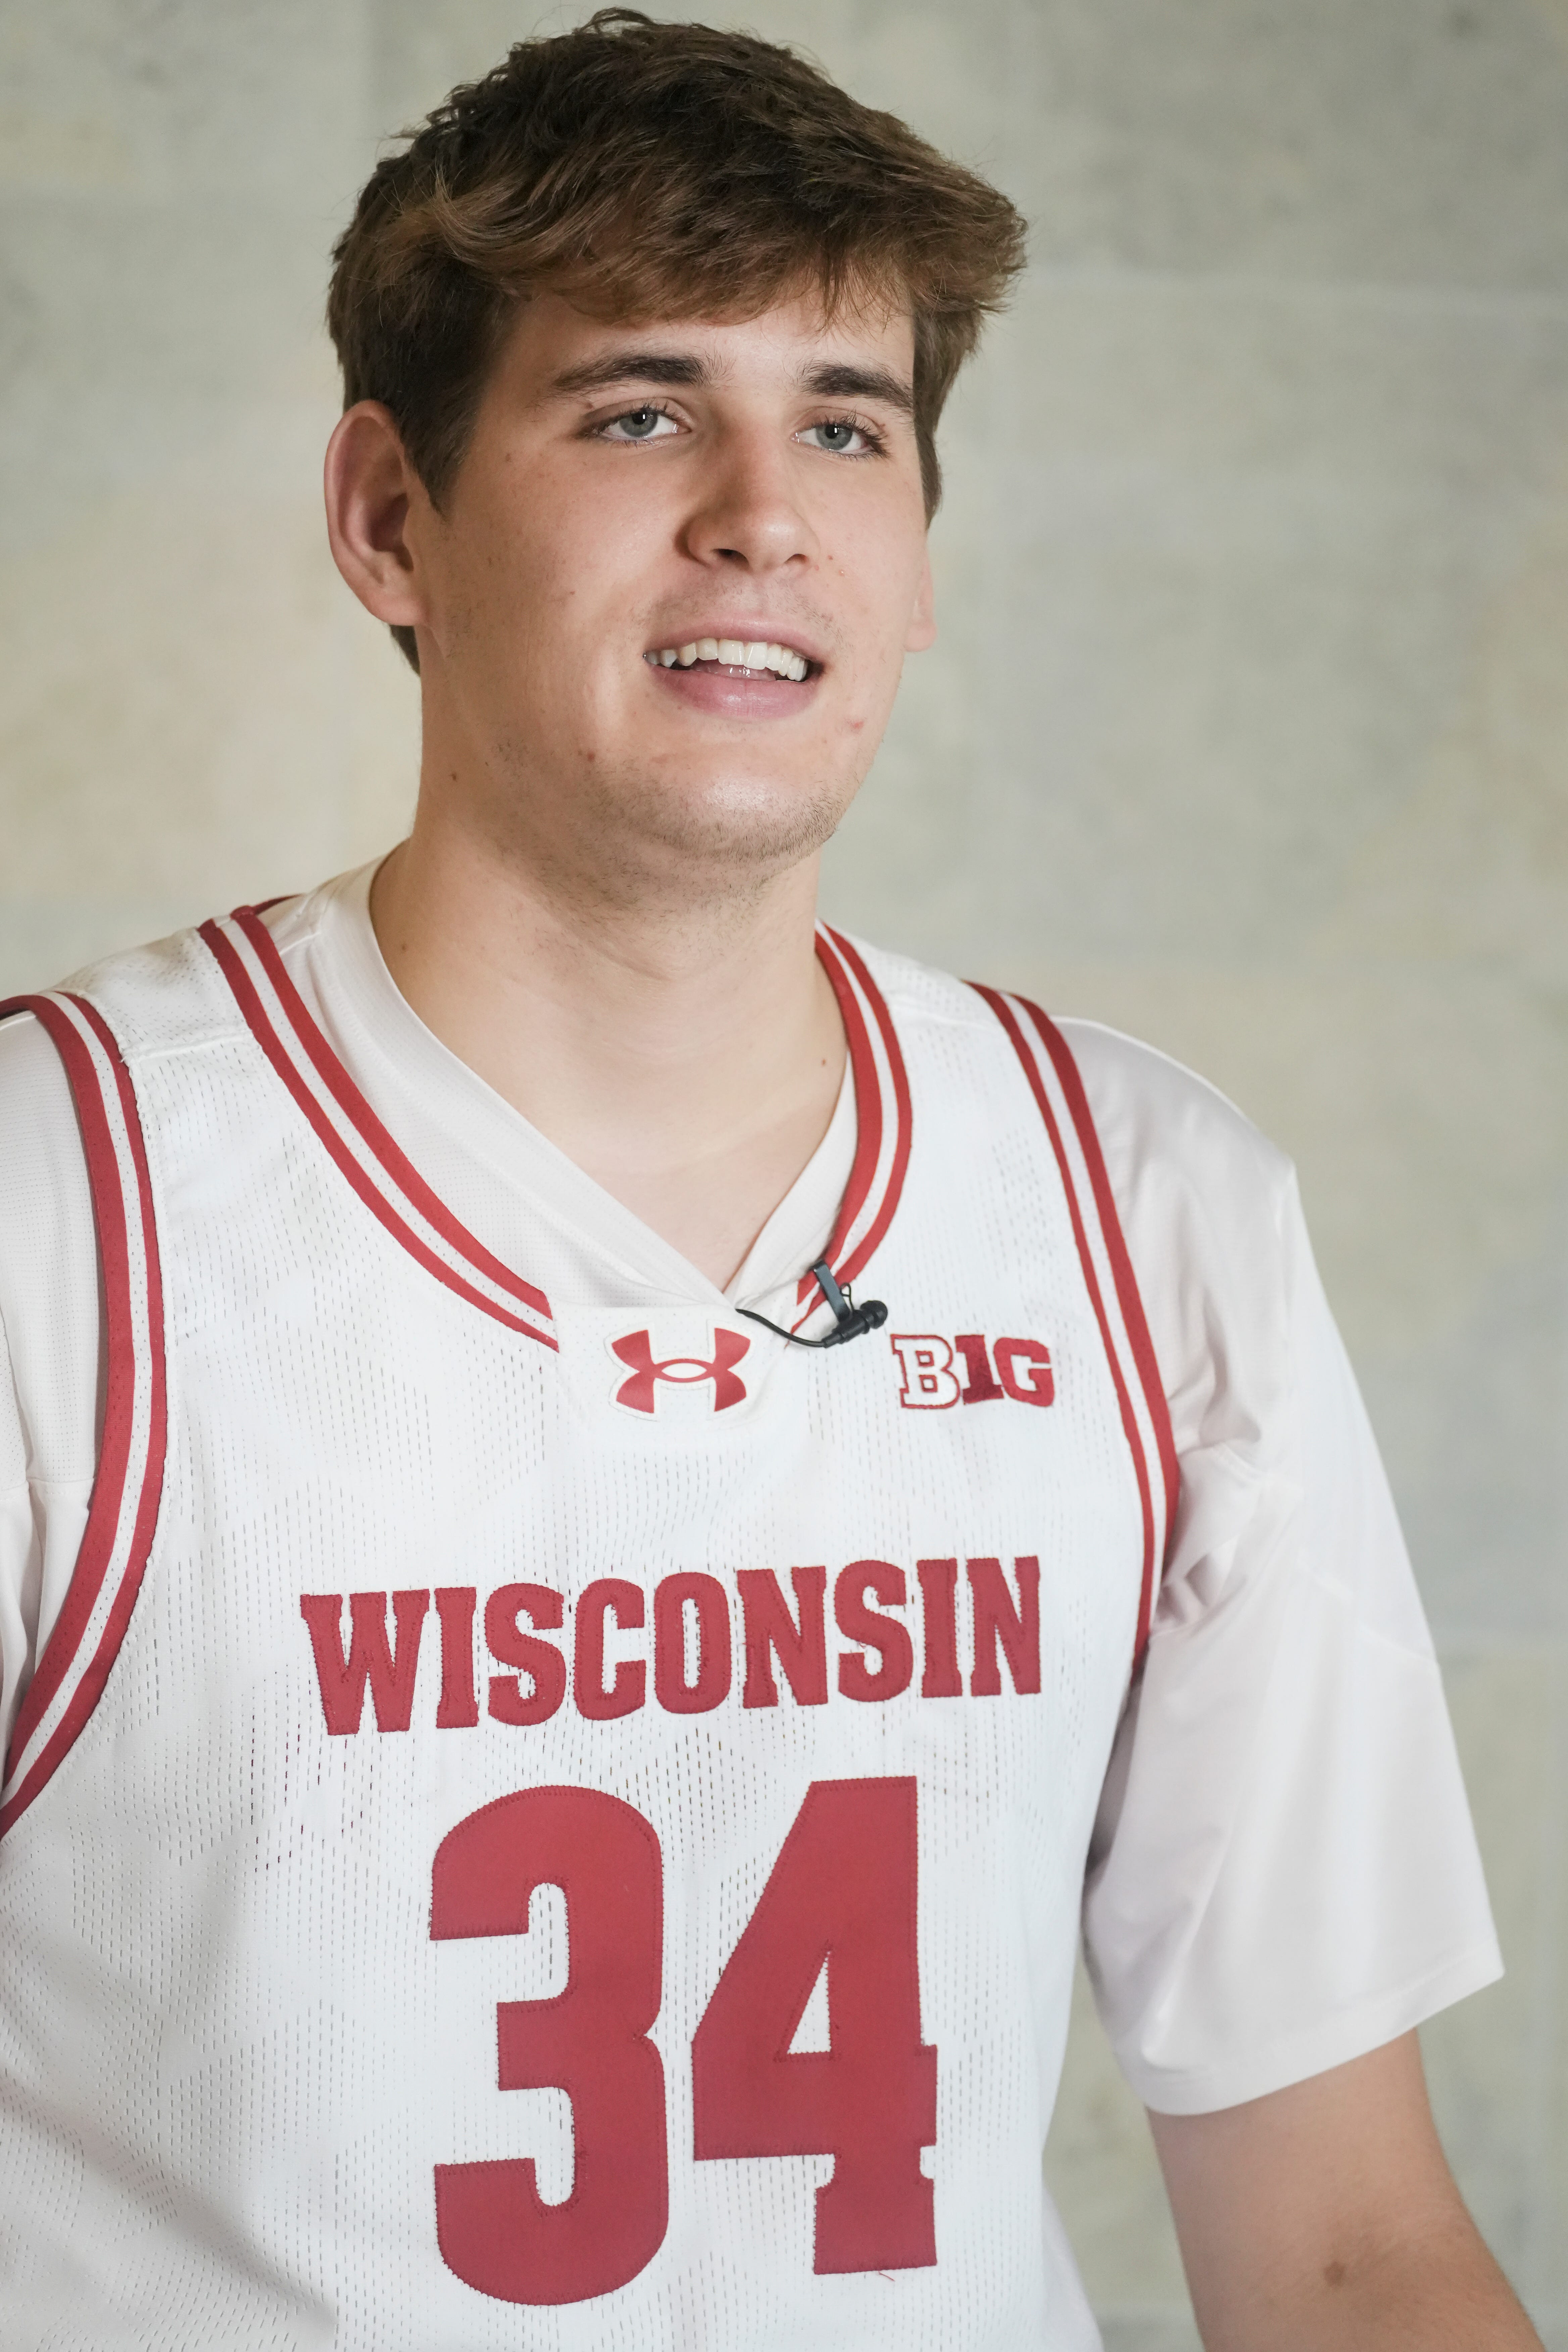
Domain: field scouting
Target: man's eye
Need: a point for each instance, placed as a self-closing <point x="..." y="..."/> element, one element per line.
<point x="840" y="437"/>
<point x="644" y="424"/>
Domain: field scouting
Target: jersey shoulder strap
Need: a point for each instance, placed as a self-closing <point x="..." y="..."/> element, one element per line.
<point x="106" y="1021"/>
<point x="1053" y="1080"/>
<point x="69" y="1677"/>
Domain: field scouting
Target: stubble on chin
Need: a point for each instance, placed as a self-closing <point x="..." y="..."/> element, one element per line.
<point x="626" y="838"/>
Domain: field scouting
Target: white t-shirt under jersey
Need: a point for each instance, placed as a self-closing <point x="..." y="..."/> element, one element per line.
<point x="1284" y="1873"/>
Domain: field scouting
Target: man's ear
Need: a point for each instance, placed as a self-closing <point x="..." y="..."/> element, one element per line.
<point x="922" y="621"/>
<point x="371" y="492"/>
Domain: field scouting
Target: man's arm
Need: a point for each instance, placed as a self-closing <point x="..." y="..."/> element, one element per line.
<point x="1324" y="2219"/>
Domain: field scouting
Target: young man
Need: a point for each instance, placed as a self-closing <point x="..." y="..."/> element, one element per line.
<point x="555" y="1757"/>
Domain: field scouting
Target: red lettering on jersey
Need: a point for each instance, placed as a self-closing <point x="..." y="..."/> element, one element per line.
<point x="390" y="1673"/>
<point x="929" y="1383"/>
<point x="842" y="1897"/>
<point x="458" y="1707"/>
<point x="510" y="1646"/>
<point x="980" y="1388"/>
<point x="591" y="2040"/>
<point x="637" y="1350"/>
<point x="866" y="1594"/>
<point x="1036" y="1384"/>
<point x="611" y="1596"/>
<point x="802" y="1652"/>
<point x="672" y="1597"/>
<point x="996" y="1618"/>
<point x="858" y="1622"/>
<point x="844" y="1892"/>
<point x="939" y="1608"/>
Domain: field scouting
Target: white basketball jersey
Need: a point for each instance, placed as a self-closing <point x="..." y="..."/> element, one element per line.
<point x="563" y="1826"/>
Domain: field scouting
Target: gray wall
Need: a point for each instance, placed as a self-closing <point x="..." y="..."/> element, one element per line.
<point x="1248" y="728"/>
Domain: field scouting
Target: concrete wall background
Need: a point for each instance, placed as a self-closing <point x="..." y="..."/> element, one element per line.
<point x="1247" y="729"/>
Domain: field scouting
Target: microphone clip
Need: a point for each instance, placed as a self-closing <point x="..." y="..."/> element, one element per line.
<point x="849" y="1320"/>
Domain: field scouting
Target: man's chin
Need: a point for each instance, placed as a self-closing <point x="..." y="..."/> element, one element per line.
<point x="727" y="833"/>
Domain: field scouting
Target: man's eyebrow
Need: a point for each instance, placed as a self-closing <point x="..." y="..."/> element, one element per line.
<point x="843" y="381"/>
<point x="631" y="367"/>
<point x="834" y="380"/>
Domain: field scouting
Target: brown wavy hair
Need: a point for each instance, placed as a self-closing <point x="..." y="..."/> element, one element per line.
<point x="651" y="171"/>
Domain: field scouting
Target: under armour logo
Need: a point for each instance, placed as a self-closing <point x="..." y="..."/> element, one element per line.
<point x="636" y="1351"/>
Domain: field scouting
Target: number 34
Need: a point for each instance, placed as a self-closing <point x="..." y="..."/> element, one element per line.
<point x="842" y="1890"/>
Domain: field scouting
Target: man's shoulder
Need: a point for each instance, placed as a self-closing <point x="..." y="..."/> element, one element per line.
<point x="1156" y="1106"/>
<point x="1155" y="1119"/>
<point x="170" y="995"/>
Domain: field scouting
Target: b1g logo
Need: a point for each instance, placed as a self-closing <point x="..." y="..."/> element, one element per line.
<point x="930" y="1382"/>
<point x="716" y="1373"/>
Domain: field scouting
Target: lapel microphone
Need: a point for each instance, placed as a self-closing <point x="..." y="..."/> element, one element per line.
<point x="849" y="1320"/>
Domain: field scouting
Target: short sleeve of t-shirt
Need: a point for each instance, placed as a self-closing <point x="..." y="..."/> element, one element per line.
<point x="1284" y="1873"/>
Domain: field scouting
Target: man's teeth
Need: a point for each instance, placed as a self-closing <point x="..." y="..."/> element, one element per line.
<point x="736" y="653"/>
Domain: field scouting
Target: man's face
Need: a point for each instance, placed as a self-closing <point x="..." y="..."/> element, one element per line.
<point x="743" y="498"/>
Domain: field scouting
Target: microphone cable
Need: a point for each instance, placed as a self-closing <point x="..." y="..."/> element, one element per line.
<point x="849" y="1320"/>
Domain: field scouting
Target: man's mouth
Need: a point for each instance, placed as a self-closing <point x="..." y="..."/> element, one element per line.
<point x="735" y="658"/>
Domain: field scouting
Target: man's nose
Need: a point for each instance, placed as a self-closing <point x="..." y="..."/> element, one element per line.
<point x="748" y="512"/>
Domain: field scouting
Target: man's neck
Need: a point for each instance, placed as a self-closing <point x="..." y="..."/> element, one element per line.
<point x="687" y="1056"/>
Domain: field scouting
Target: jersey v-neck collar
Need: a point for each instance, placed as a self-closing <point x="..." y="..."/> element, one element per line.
<point x="473" y="1189"/>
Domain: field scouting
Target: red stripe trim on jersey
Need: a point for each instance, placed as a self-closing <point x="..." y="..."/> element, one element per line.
<point x="868" y="1115"/>
<point x="355" y="1108"/>
<point x="1127" y="1291"/>
<point x="391" y="1159"/>
<point x="902" y="1107"/>
<point x="129" y="1478"/>
<point x="856" y="991"/>
<point x="1004" y="1015"/>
